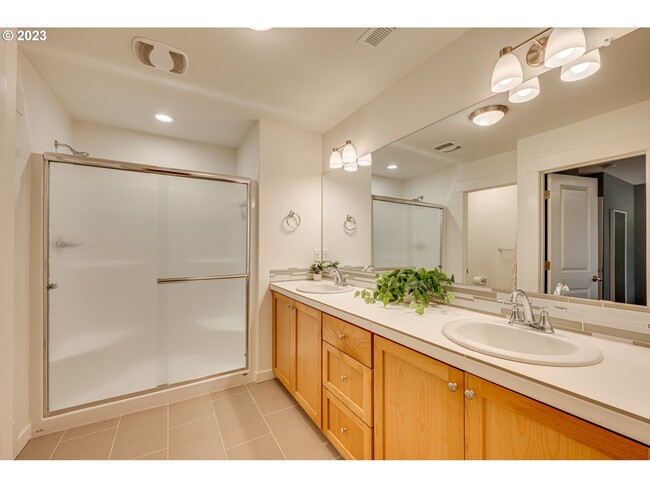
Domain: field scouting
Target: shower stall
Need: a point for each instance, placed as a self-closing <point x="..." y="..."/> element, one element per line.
<point x="147" y="277"/>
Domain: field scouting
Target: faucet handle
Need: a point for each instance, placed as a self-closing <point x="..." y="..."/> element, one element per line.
<point x="544" y="321"/>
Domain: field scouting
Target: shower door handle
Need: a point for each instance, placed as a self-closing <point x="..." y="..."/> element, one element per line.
<point x="52" y="286"/>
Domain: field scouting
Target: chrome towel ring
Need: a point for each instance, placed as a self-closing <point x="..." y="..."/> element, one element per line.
<point x="292" y="220"/>
<point x="350" y="224"/>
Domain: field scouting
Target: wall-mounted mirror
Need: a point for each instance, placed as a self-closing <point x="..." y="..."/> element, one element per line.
<point x="453" y="162"/>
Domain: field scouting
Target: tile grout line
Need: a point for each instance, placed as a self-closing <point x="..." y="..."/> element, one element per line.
<point x="190" y="422"/>
<point x="251" y="440"/>
<point x="119" y="421"/>
<point x="57" y="445"/>
<point x="86" y="435"/>
<point x="214" y="412"/>
<point x="267" y="424"/>
<point x="148" y="454"/>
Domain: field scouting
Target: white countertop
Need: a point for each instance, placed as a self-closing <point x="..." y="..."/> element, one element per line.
<point x="614" y="393"/>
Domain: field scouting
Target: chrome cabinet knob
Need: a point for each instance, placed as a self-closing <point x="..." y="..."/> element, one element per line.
<point x="343" y="377"/>
<point x="343" y="430"/>
<point x="469" y="394"/>
<point x="452" y="386"/>
<point x="341" y="336"/>
<point x="288" y="305"/>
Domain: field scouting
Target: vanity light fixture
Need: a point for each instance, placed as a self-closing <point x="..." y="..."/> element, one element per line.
<point x="167" y="119"/>
<point x="507" y="72"/>
<point x="345" y="157"/>
<point x="563" y="46"/>
<point x="582" y="67"/>
<point x="489" y="115"/>
<point x="525" y="92"/>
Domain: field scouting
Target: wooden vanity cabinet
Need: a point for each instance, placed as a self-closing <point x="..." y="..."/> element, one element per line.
<point x="501" y="424"/>
<point x="297" y="352"/>
<point x="347" y="388"/>
<point x="418" y="405"/>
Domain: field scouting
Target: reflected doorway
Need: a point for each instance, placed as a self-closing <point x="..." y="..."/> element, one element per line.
<point x="595" y="223"/>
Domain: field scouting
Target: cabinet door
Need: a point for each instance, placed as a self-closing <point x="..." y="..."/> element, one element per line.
<point x="307" y="385"/>
<point x="283" y="340"/>
<point x="502" y="425"/>
<point x="417" y="416"/>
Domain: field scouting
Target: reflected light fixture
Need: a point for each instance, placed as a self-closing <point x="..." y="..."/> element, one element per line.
<point x="525" y="92"/>
<point x="563" y="46"/>
<point x="489" y="115"/>
<point x="167" y="119"/>
<point x="582" y="67"/>
<point x="507" y="73"/>
<point x="391" y="166"/>
<point x="365" y="160"/>
<point x="345" y="157"/>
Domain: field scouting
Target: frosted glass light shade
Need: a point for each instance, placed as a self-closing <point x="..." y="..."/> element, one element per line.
<point x="349" y="154"/>
<point x="582" y="67"/>
<point x="350" y="166"/>
<point x="335" y="160"/>
<point x="563" y="46"/>
<point x="507" y="73"/>
<point x="524" y="92"/>
<point x="365" y="160"/>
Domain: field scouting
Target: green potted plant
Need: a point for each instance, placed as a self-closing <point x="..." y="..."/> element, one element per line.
<point x="420" y="287"/>
<point x="317" y="268"/>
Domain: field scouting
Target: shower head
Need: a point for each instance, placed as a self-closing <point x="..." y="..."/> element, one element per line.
<point x="76" y="153"/>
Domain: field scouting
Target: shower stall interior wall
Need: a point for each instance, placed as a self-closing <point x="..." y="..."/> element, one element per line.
<point x="147" y="280"/>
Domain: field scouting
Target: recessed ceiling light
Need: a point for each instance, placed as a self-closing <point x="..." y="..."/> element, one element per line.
<point x="168" y="119"/>
<point x="261" y="28"/>
<point x="391" y="166"/>
<point x="489" y="115"/>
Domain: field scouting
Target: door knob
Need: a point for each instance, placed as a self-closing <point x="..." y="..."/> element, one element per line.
<point x="596" y="278"/>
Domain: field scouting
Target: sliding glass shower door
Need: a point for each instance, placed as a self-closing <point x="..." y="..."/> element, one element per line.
<point x="147" y="280"/>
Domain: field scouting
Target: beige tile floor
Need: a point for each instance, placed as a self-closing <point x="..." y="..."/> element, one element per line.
<point x="256" y="421"/>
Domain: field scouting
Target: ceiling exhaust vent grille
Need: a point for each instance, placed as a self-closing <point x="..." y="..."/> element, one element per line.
<point x="160" y="56"/>
<point x="374" y="37"/>
<point x="447" y="147"/>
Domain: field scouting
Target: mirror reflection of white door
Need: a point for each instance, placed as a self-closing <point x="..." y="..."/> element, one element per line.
<point x="572" y="236"/>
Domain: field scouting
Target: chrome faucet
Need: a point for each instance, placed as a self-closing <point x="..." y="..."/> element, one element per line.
<point x="338" y="277"/>
<point x="560" y="287"/>
<point x="543" y="325"/>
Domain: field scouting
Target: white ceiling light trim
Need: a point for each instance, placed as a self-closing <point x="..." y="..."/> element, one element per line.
<point x="167" y="119"/>
<point x="582" y="67"/>
<point x="490" y="115"/>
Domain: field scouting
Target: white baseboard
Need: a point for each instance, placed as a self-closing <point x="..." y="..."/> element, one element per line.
<point x="22" y="439"/>
<point x="264" y="375"/>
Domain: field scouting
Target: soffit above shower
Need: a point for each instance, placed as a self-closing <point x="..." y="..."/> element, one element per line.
<point x="307" y="78"/>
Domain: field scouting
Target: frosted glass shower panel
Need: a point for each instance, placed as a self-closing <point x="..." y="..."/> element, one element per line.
<point x="205" y="326"/>
<point x="405" y="234"/>
<point x="204" y="227"/>
<point x="102" y="276"/>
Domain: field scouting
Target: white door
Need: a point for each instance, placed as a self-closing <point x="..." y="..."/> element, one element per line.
<point x="572" y="235"/>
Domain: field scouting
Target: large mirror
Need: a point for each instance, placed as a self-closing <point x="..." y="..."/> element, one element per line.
<point x="476" y="174"/>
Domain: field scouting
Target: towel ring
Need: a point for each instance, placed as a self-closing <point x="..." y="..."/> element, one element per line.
<point x="350" y="224"/>
<point x="292" y="217"/>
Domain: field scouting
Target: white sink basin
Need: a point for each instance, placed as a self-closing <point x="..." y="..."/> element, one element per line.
<point x="323" y="288"/>
<point x="517" y="344"/>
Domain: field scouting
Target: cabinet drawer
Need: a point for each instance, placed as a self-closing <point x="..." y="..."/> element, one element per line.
<point x="348" y="338"/>
<point x="351" y="437"/>
<point x="349" y="381"/>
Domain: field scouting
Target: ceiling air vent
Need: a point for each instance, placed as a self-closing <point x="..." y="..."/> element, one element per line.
<point x="447" y="147"/>
<point x="374" y="37"/>
<point x="160" y="56"/>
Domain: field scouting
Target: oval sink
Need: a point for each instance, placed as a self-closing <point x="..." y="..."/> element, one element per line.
<point x="323" y="288"/>
<point x="518" y="344"/>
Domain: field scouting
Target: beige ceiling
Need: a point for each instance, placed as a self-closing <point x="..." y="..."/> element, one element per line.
<point x="309" y="78"/>
<point x="624" y="79"/>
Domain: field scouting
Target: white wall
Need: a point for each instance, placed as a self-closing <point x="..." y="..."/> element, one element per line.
<point x="616" y="134"/>
<point x="8" y="53"/>
<point x="346" y="193"/>
<point x="41" y="120"/>
<point x="106" y="142"/>
<point x="289" y="179"/>
<point x="492" y="224"/>
<point x="447" y="186"/>
<point x="387" y="187"/>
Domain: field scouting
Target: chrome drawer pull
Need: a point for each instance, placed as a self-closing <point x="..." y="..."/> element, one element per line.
<point x="341" y="336"/>
<point x="343" y="430"/>
<point x="343" y="377"/>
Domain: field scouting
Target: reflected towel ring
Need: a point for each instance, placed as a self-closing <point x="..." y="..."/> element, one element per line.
<point x="350" y="224"/>
<point x="292" y="217"/>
